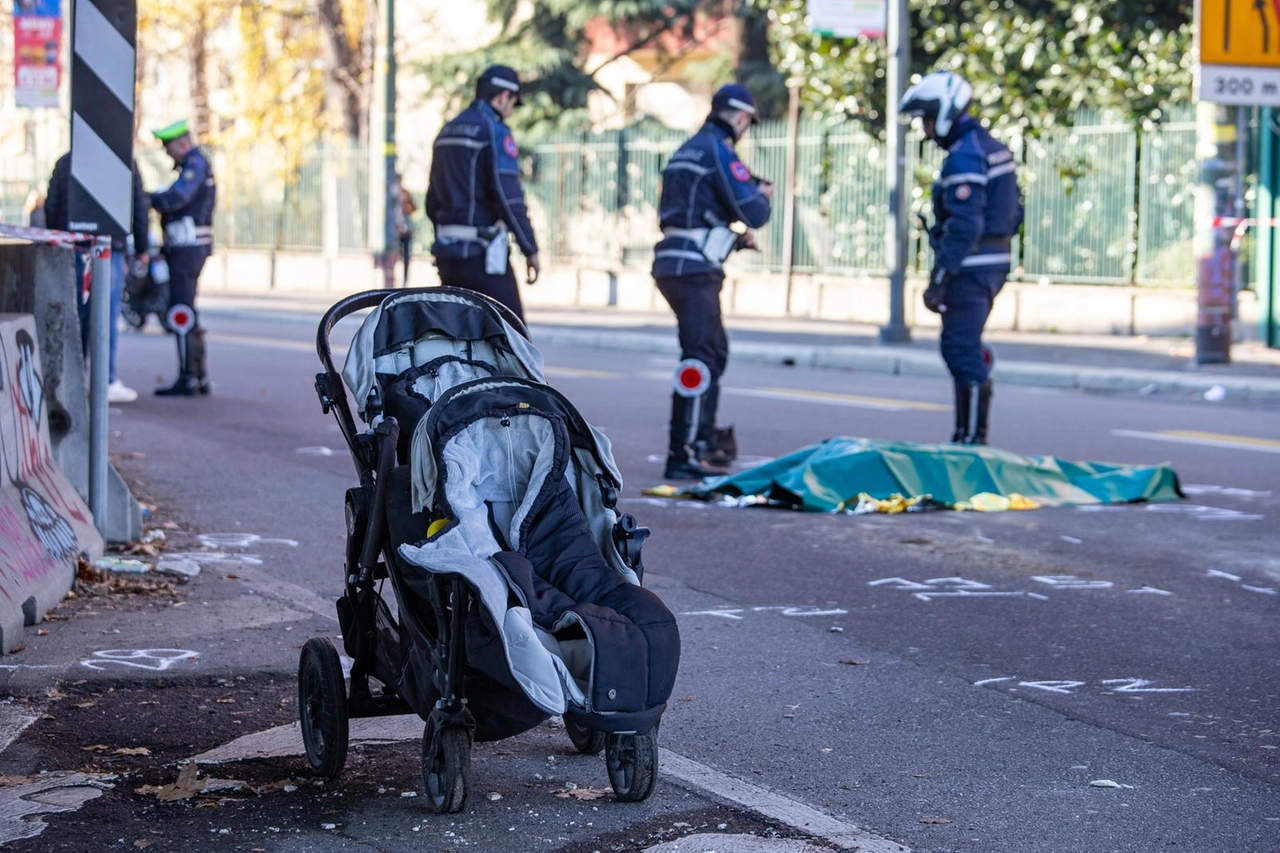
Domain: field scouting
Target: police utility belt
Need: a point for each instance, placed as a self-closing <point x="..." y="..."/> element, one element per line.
<point x="184" y="232"/>
<point x="715" y="244"/>
<point x="495" y="238"/>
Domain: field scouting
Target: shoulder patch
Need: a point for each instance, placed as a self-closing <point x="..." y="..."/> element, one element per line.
<point x="963" y="192"/>
<point x="188" y="174"/>
<point x="739" y="171"/>
<point x="509" y="146"/>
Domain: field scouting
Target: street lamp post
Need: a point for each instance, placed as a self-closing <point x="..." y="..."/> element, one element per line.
<point x="899" y="67"/>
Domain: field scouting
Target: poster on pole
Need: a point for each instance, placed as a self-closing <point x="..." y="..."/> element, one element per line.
<point x="37" y="51"/>
<point x="848" y="18"/>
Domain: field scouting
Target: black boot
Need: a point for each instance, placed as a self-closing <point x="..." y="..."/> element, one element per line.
<point x="185" y="385"/>
<point x="979" y="434"/>
<point x="964" y="400"/>
<point x="973" y="405"/>
<point x="716" y="446"/>
<point x="682" y="459"/>
<point x="195" y="341"/>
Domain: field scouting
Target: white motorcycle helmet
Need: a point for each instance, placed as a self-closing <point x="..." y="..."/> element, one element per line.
<point x="942" y="96"/>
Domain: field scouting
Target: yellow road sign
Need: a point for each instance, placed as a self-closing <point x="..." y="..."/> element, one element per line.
<point x="1240" y="32"/>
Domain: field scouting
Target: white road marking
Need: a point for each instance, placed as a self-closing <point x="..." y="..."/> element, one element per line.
<point x="793" y="813"/>
<point x="885" y="404"/>
<point x="1204" y="439"/>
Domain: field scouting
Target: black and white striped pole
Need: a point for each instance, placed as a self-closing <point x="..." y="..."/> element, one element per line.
<point x="100" y="202"/>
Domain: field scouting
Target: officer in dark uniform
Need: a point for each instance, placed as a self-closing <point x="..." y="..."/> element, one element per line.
<point x="705" y="189"/>
<point x="186" y="216"/>
<point x="978" y="208"/>
<point x="475" y="200"/>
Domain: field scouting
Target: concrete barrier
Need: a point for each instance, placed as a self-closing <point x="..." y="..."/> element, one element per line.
<point x="40" y="280"/>
<point x="45" y="526"/>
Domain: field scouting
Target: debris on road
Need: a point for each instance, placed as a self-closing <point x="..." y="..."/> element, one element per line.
<point x="1107" y="783"/>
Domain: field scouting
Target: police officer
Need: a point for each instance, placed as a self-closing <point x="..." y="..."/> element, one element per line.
<point x="705" y="189"/>
<point x="978" y="207"/>
<point x="186" y="216"/>
<point x="475" y="200"/>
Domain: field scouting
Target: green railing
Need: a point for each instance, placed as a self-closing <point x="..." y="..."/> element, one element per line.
<point x="1105" y="203"/>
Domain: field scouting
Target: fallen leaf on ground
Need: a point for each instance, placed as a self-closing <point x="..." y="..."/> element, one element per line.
<point x="583" y="793"/>
<point x="186" y="786"/>
<point x="278" y="785"/>
<point x="143" y="843"/>
<point x="97" y="747"/>
<point x="135" y="750"/>
<point x="8" y="781"/>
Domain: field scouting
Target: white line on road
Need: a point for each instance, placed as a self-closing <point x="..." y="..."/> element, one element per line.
<point x="885" y="404"/>
<point x="1204" y="439"/>
<point x="846" y="836"/>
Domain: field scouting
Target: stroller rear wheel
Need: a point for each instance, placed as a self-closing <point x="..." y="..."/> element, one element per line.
<point x="322" y="707"/>
<point x="632" y="762"/>
<point x="446" y="766"/>
<point x="585" y="740"/>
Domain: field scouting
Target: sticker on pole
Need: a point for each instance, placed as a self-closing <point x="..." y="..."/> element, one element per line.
<point x="180" y="319"/>
<point x="693" y="378"/>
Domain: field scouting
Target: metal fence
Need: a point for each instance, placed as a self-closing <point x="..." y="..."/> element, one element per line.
<point x="1106" y="203"/>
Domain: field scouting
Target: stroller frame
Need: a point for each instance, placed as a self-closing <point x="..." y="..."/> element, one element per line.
<point x="326" y="705"/>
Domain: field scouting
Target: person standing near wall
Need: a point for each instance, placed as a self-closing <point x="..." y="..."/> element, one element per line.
<point x="186" y="216"/>
<point x="475" y="199"/>
<point x="705" y="189"/>
<point x="977" y="208"/>
<point x="56" y="204"/>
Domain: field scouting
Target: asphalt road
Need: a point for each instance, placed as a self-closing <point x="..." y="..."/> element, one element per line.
<point x="950" y="681"/>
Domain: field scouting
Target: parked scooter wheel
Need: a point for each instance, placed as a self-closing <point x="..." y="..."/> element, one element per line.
<point x="446" y="767"/>
<point x="632" y="762"/>
<point x="586" y="741"/>
<point x="322" y="707"/>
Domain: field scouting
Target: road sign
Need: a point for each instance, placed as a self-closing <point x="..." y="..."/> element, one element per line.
<point x="1239" y="52"/>
<point x="847" y="18"/>
<point x="103" y="61"/>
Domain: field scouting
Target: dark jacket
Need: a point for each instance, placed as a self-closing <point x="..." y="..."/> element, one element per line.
<point x="475" y="181"/>
<point x="976" y="201"/>
<point x="704" y="184"/>
<point x="57" y="199"/>
<point x="186" y="207"/>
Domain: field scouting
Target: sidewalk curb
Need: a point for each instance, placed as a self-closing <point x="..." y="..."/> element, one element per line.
<point x="914" y="363"/>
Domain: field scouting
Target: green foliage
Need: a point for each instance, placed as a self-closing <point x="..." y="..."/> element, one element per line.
<point x="1032" y="63"/>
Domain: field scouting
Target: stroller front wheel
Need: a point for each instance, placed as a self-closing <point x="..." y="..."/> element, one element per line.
<point x="322" y="707"/>
<point x="632" y="762"/>
<point x="585" y="740"/>
<point x="446" y="766"/>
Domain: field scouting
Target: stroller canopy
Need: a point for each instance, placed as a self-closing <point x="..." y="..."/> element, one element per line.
<point x="419" y="328"/>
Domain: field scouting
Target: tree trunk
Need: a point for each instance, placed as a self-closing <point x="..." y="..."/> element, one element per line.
<point x="199" y="76"/>
<point x="346" y="90"/>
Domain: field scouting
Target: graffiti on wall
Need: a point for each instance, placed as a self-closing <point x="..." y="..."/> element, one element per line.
<point x="40" y="537"/>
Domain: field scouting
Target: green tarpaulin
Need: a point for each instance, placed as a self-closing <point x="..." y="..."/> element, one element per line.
<point x="831" y="474"/>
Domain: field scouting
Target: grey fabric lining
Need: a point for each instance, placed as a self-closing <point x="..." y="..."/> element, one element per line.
<point x="360" y="368"/>
<point x="489" y="464"/>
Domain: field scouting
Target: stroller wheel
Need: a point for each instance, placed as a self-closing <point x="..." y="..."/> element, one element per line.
<point x="446" y="767"/>
<point x="322" y="707"/>
<point x="585" y="740"/>
<point x="632" y="762"/>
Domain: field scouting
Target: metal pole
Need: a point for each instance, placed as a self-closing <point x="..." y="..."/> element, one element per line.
<point x="789" y="185"/>
<point x="390" y="234"/>
<point x="899" y="68"/>
<point x="99" y="350"/>
<point x="1214" y="228"/>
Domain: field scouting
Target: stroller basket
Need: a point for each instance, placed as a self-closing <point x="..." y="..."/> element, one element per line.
<point x="488" y="506"/>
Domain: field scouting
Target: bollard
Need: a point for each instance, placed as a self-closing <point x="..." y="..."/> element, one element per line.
<point x="99" y="345"/>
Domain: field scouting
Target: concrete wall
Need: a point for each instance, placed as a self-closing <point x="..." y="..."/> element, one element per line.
<point x="45" y="526"/>
<point x="40" y="280"/>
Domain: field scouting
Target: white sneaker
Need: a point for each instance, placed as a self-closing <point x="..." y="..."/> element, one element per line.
<point x="118" y="392"/>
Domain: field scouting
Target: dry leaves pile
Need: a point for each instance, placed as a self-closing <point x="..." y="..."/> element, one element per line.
<point x="92" y="581"/>
<point x="190" y="784"/>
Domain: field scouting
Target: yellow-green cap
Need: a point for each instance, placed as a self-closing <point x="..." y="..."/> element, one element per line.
<point x="177" y="130"/>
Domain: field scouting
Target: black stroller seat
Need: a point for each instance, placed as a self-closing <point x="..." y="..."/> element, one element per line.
<point x="579" y="636"/>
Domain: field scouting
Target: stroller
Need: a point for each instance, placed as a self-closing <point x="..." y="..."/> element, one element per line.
<point x="488" y="505"/>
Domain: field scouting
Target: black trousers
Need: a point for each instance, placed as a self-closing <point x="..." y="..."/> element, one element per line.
<point x="695" y="299"/>
<point x="469" y="273"/>
<point x="185" y="266"/>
